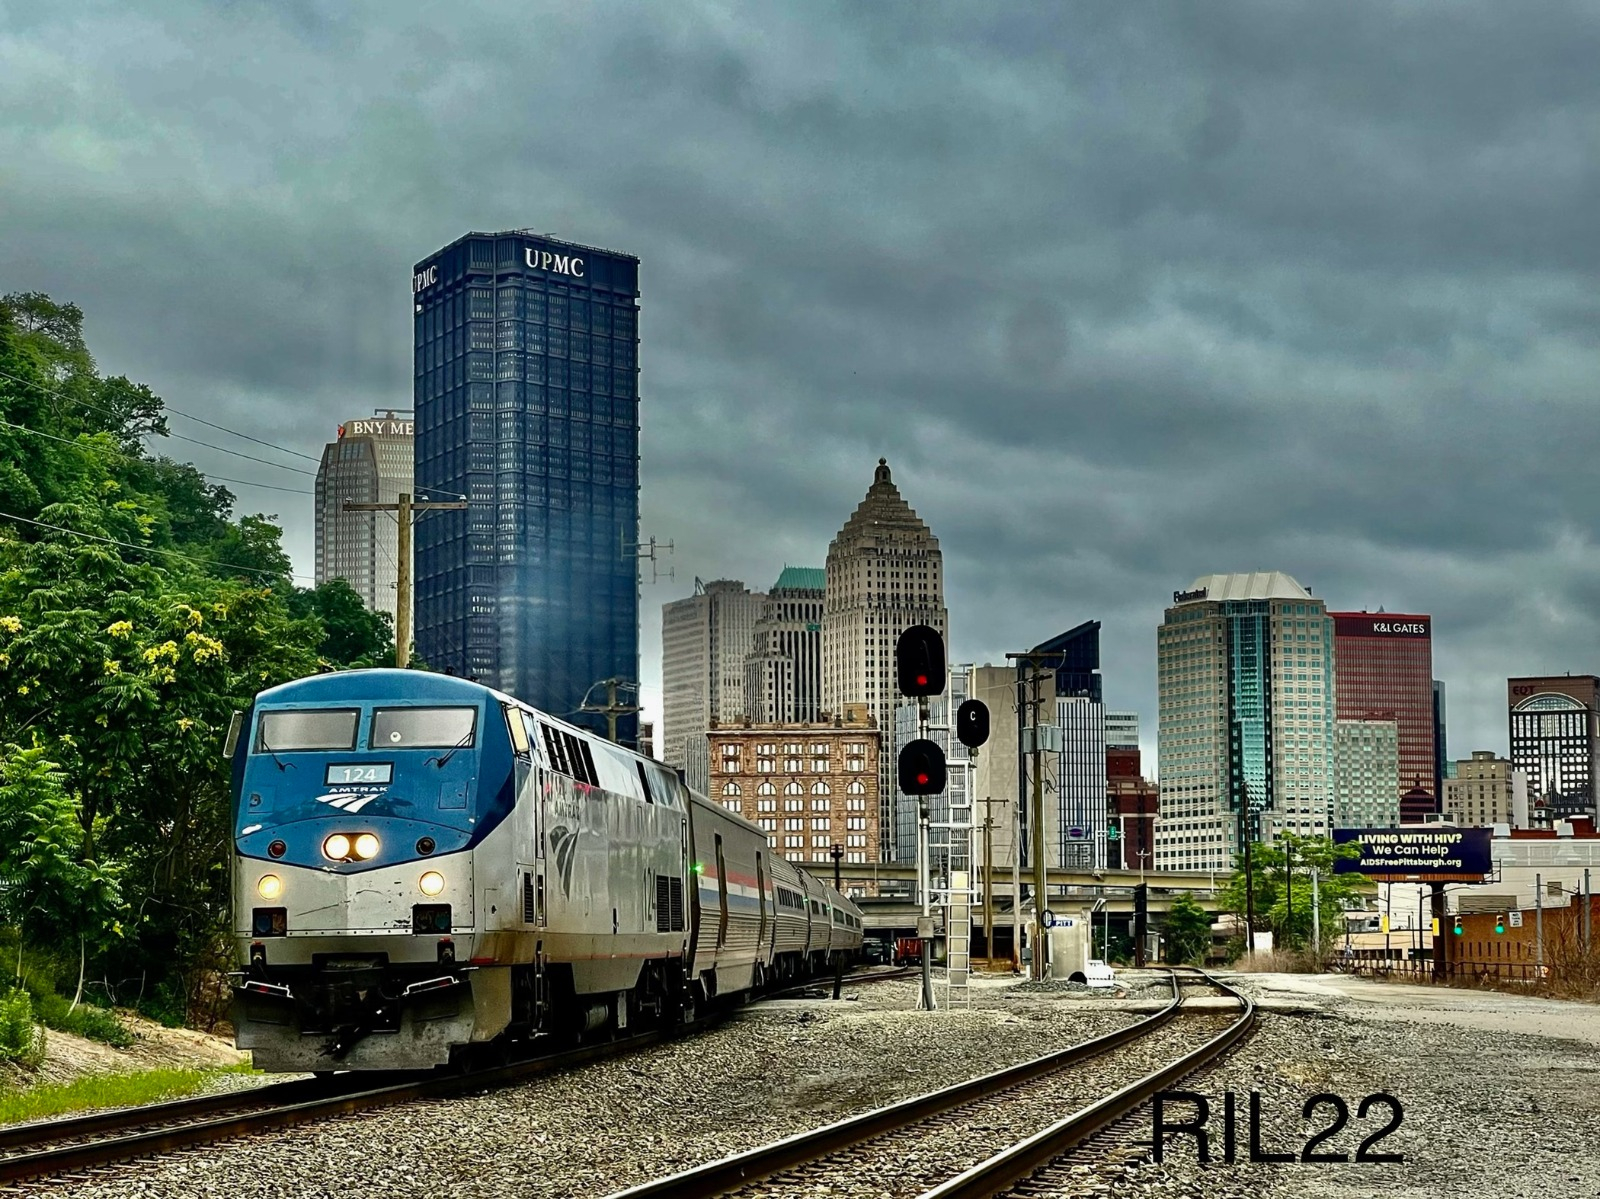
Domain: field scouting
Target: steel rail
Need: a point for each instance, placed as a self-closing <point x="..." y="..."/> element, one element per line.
<point x="1013" y="1165"/>
<point x="42" y="1132"/>
<point x="741" y="1168"/>
<point x="64" y="1159"/>
<point x="295" y="1101"/>
<point x="825" y="981"/>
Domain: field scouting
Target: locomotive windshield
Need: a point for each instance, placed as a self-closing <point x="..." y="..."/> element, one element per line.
<point x="307" y="729"/>
<point x="423" y="728"/>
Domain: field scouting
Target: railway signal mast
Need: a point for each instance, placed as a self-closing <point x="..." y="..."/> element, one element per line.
<point x="920" y="672"/>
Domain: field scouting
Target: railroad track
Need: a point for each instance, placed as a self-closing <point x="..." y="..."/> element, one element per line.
<point x="825" y="982"/>
<point x="929" y="1146"/>
<point x="65" y="1147"/>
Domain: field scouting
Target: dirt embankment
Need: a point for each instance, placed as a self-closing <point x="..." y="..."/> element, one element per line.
<point x="68" y="1057"/>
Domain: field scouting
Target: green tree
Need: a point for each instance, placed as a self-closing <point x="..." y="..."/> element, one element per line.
<point x="352" y="633"/>
<point x="1187" y="931"/>
<point x="47" y="882"/>
<point x="1282" y="885"/>
<point x="120" y="666"/>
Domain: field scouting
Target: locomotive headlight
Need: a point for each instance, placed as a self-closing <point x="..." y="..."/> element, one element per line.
<point x="337" y="847"/>
<point x="270" y="886"/>
<point x="431" y="883"/>
<point x="366" y="846"/>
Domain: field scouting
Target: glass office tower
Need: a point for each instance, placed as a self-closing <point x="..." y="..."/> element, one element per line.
<point x="527" y="403"/>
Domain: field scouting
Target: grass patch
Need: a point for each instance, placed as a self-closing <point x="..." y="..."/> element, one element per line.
<point x="105" y="1090"/>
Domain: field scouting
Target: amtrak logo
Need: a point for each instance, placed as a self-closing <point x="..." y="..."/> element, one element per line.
<point x="564" y="843"/>
<point x="349" y="801"/>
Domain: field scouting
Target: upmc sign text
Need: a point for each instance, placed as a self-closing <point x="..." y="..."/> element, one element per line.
<point x="561" y="264"/>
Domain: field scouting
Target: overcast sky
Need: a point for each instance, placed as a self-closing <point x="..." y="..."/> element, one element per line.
<point x="1125" y="292"/>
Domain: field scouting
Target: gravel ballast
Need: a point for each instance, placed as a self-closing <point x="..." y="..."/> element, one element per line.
<point x="1487" y="1112"/>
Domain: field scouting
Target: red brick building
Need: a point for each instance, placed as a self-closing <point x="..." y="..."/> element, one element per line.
<point x="1515" y="953"/>
<point x="808" y="786"/>
<point x="1134" y="802"/>
<point x="1383" y="670"/>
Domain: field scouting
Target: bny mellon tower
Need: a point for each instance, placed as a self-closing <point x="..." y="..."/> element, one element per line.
<point x="884" y="574"/>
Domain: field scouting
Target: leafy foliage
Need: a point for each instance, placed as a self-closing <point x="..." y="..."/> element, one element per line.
<point x="1187" y="931"/>
<point x="1281" y="876"/>
<point x="21" y="1040"/>
<point x="129" y="634"/>
<point x="352" y="633"/>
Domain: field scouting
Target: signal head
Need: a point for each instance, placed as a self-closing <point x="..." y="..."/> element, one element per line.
<point x="972" y="723"/>
<point x="919" y="661"/>
<point x="921" y="768"/>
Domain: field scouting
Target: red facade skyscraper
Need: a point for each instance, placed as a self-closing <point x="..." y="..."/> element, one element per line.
<point x="1383" y="670"/>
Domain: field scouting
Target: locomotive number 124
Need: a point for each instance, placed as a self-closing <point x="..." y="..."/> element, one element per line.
<point x="366" y="772"/>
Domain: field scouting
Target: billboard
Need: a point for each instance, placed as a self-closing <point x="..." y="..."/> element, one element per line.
<point x="1416" y="854"/>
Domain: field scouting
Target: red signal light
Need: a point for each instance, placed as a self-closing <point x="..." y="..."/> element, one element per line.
<point x="922" y="680"/>
<point x="922" y="777"/>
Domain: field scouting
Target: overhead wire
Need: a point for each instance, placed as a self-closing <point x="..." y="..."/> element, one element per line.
<point x="130" y="458"/>
<point x="151" y="549"/>
<point x="179" y="436"/>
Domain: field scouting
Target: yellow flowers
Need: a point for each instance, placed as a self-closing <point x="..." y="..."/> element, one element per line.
<point x="10" y="624"/>
<point x="23" y="690"/>
<point x="185" y="724"/>
<point x="203" y="648"/>
<point x="121" y="628"/>
<point x="194" y="616"/>
<point x="112" y="666"/>
<point x="167" y="650"/>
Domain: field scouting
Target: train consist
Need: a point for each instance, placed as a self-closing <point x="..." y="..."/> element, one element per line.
<point x="423" y="865"/>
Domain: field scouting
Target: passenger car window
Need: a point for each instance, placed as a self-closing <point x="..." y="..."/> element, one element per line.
<point x="307" y="729"/>
<point x="423" y="728"/>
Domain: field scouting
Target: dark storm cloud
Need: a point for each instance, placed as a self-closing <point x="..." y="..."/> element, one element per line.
<point x="1127" y="293"/>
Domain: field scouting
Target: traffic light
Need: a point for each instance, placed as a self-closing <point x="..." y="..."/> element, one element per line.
<point x="972" y="723"/>
<point x="1499" y="924"/>
<point x="919" y="661"/>
<point x="1113" y="832"/>
<point x="921" y="768"/>
<point x="1458" y="926"/>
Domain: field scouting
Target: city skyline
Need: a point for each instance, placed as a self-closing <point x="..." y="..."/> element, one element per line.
<point x="1226" y="323"/>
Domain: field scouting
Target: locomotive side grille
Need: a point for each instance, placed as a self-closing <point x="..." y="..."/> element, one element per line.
<point x="664" y="903"/>
<point x="530" y="900"/>
<point x="677" y="904"/>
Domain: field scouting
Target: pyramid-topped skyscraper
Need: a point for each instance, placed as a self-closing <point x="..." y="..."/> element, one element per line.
<point x="884" y="574"/>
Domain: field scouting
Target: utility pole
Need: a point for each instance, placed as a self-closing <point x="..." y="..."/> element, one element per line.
<point x="1588" y="914"/>
<point x="1016" y="888"/>
<point x="1538" y="922"/>
<point x="1248" y="835"/>
<point x="1316" y="920"/>
<point x="611" y="710"/>
<point x="405" y="510"/>
<point x="1288" y="889"/>
<point x="1040" y="869"/>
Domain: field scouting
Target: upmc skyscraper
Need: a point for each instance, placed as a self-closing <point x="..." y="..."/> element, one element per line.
<point x="527" y="403"/>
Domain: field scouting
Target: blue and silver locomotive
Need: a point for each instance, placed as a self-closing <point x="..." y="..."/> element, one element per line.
<point x="423" y="865"/>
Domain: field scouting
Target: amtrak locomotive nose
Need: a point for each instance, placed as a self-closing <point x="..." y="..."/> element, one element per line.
<point x="422" y="864"/>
